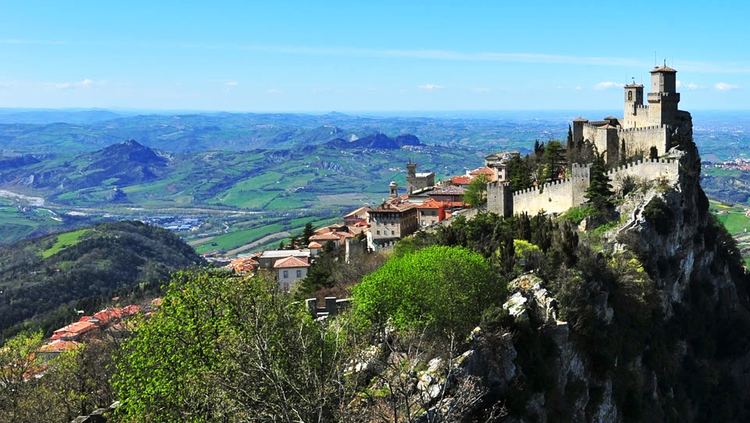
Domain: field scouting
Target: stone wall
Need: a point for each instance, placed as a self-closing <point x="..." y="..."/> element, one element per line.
<point x="640" y="140"/>
<point x="559" y="196"/>
<point x="555" y="197"/>
<point x="645" y="170"/>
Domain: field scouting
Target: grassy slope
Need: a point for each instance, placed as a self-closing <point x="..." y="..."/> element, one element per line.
<point x="45" y="279"/>
<point x="737" y="223"/>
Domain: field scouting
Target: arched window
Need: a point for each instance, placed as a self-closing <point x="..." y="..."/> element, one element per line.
<point x="630" y="96"/>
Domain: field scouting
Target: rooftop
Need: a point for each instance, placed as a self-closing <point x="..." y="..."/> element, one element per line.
<point x="663" y="68"/>
<point x="285" y="253"/>
<point x="290" y="262"/>
<point x="431" y="204"/>
<point x="449" y="190"/>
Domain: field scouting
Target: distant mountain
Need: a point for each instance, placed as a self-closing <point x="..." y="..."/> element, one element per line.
<point x="377" y="141"/>
<point x="42" y="281"/>
<point x="56" y="116"/>
<point x="121" y="164"/>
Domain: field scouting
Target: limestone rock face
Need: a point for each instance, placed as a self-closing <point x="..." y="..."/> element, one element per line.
<point x="703" y="296"/>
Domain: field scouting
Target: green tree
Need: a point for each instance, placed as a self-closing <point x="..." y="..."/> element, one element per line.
<point x="476" y="193"/>
<point x="599" y="193"/>
<point x="438" y="288"/>
<point x="227" y="348"/>
<point x="307" y="233"/>
<point x="553" y="160"/>
<point x="519" y="173"/>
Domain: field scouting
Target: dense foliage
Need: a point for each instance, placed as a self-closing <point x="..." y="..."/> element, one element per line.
<point x="436" y="288"/>
<point x="224" y="348"/>
<point x="109" y="259"/>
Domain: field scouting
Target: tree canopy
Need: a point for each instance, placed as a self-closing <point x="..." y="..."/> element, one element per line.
<point x="437" y="287"/>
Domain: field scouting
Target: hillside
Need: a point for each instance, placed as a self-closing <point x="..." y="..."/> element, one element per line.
<point x="43" y="281"/>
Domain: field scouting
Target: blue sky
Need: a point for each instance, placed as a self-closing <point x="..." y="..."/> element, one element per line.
<point x="366" y="56"/>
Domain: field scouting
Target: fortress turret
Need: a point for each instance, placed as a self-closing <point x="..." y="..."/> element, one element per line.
<point x="663" y="99"/>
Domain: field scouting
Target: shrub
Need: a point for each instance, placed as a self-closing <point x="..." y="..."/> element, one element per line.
<point x="436" y="288"/>
<point x="658" y="214"/>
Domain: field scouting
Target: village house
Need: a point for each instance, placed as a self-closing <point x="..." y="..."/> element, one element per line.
<point x="289" y="270"/>
<point x="390" y="222"/>
<point x="449" y="194"/>
<point x="268" y="258"/>
<point x="431" y="212"/>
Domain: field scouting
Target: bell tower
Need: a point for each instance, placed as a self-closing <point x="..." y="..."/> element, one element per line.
<point x="411" y="176"/>
<point x="633" y="102"/>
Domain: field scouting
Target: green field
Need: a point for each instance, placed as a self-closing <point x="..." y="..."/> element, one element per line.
<point x="65" y="240"/>
<point x="737" y="224"/>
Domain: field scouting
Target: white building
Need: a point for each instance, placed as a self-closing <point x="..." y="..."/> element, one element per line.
<point x="289" y="270"/>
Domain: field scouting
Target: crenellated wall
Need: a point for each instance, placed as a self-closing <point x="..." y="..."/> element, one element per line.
<point x="559" y="196"/>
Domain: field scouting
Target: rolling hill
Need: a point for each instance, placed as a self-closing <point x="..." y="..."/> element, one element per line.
<point x="44" y="280"/>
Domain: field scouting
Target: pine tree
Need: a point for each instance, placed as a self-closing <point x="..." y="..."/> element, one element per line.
<point x="307" y="233"/>
<point x="599" y="192"/>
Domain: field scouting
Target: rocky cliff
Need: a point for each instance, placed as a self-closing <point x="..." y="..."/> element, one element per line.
<point x="659" y="330"/>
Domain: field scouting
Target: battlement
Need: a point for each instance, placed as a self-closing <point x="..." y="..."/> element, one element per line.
<point x="643" y="129"/>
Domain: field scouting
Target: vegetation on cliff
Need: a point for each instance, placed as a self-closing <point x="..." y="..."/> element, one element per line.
<point x="44" y="281"/>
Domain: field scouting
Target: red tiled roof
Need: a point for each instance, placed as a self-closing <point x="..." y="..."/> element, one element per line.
<point x="431" y="204"/>
<point x="314" y="245"/>
<point x="330" y="236"/>
<point x="482" y="171"/>
<point x="290" y="262"/>
<point x="244" y="264"/>
<point x="461" y="180"/>
<point x="74" y="330"/>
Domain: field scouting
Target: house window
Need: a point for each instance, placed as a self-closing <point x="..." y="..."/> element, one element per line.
<point x="378" y="231"/>
<point x="286" y="274"/>
<point x="299" y="273"/>
<point x="286" y="286"/>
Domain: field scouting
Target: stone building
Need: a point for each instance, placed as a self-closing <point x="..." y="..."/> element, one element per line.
<point x="644" y="128"/>
<point x="418" y="181"/>
<point x="629" y="141"/>
<point x="390" y="222"/>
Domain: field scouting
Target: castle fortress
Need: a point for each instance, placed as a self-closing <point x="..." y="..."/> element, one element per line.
<point x="644" y="131"/>
<point x="644" y="128"/>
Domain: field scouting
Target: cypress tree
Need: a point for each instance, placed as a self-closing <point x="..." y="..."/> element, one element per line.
<point x="599" y="192"/>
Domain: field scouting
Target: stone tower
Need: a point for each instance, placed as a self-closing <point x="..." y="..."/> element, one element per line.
<point x="500" y="198"/>
<point x="393" y="189"/>
<point x="633" y="102"/>
<point x="663" y="99"/>
<point x="411" y="177"/>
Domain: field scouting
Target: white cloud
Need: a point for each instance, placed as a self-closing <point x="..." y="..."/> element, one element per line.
<point x="84" y="83"/>
<point x="231" y="83"/>
<point x="606" y="85"/>
<point x="579" y="88"/>
<point x="688" y="85"/>
<point x="723" y="86"/>
<point x="430" y="87"/>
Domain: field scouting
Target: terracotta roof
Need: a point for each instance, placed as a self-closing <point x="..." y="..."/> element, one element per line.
<point x="431" y="204"/>
<point x="290" y="262"/>
<point x="330" y="236"/>
<point x="461" y="180"/>
<point x="482" y="171"/>
<point x="314" y="245"/>
<point x="244" y="264"/>
<point x="343" y="235"/>
<point x="74" y="330"/>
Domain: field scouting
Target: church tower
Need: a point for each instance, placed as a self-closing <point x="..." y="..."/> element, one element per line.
<point x="663" y="99"/>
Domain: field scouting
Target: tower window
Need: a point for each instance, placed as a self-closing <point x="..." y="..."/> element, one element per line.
<point x="630" y="96"/>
